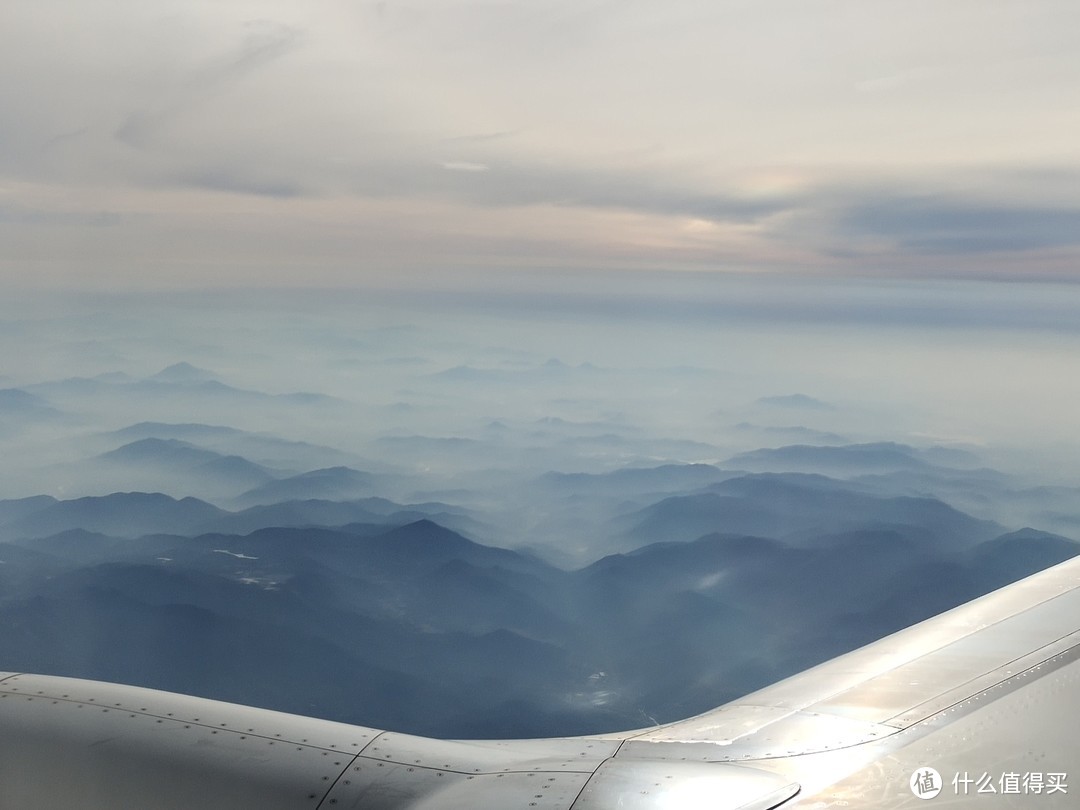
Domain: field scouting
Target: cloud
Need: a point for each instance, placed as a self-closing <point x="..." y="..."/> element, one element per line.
<point x="536" y="184"/>
<point x="238" y="180"/>
<point x="480" y="137"/>
<point x="464" y="166"/>
<point x="951" y="225"/>
<point x="956" y="226"/>
<point x="263" y="43"/>
<point x="22" y="215"/>
<point x="684" y="135"/>
<point x="895" y="81"/>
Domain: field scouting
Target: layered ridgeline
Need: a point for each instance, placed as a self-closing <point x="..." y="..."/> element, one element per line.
<point x="464" y="540"/>
<point x="312" y="592"/>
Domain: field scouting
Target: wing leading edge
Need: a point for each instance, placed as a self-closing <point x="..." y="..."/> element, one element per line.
<point x="986" y="691"/>
<point x="980" y="697"/>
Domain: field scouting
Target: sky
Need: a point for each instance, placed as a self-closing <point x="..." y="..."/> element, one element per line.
<point x="315" y="142"/>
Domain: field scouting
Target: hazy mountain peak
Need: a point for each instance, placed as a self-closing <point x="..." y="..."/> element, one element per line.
<point x="833" y="459"/>
<point x="802" y="401"/>
<point x="184" y="372"/>
<point x="150" y="443"/>
<point x="774" y="481"/>
<point x="170" y="430"/>
<point x="1028" y="534"/>
<point x="15" y="400"/>
<point x="329" y="483"/>
<point x="425" y="528"/>
<point x="339" y="471"/>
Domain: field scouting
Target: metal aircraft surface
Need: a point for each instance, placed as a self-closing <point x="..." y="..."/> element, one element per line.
<point x="974" y="708"/>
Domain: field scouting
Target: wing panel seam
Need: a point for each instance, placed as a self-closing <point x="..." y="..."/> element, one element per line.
<point x="1006" y="685"/>
<point x="337" y="779"/>
<point x="802" y="706"/>
<point x="585" y="784"/>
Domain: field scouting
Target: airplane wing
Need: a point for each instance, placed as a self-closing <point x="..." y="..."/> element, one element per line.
<point x="974" y="708"/>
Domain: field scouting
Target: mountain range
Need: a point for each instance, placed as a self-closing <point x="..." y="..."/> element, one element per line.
<point x="420" y="613"/>
<point x="548" y="572"/>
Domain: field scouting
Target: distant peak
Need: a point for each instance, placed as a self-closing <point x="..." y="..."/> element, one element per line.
<point x="333" y="472"/>
<point x="427" y="529"/>
<point x="1028" y="534"/>
<point x="184" y="372"/>
<point x="133" y="497"/>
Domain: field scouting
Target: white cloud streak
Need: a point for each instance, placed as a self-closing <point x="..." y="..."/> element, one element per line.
<point x="464" y="166"/>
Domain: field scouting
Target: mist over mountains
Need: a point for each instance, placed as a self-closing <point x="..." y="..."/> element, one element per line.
<point x="439" y="521"/>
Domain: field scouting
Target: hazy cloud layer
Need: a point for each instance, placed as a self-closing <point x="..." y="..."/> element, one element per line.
<point x="288" y="140"/>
